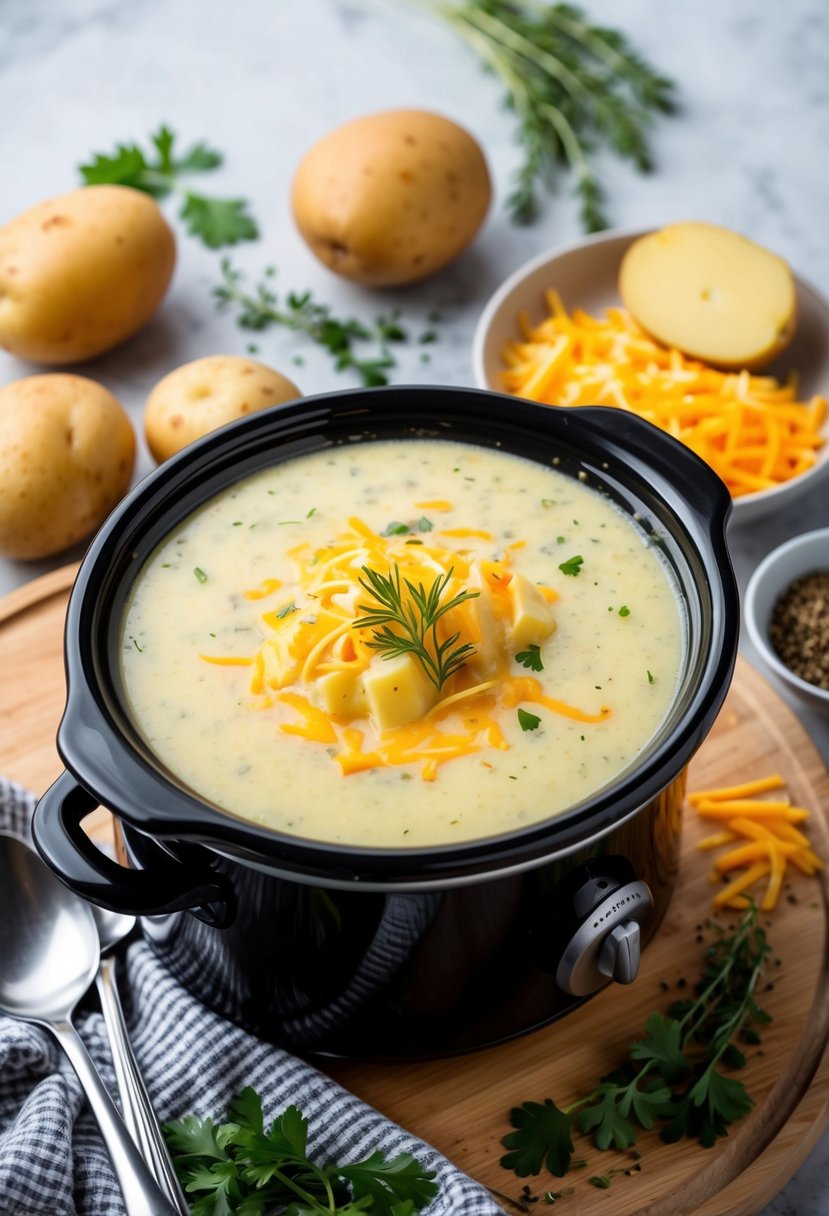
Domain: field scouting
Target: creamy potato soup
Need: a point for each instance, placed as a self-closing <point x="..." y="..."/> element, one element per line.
<point x="404" y="642"/>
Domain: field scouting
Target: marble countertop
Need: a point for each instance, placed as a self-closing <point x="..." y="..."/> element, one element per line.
<point x="262" y="81"/>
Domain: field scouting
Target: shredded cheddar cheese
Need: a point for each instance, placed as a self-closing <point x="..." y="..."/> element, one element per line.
<point x="751" y="429"/>
<point x="317" y="665"/>
<point x="771" y="840"/>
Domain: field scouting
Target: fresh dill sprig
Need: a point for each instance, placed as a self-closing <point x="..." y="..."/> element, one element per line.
<point x="417" y="615"/>
<point x="261" y="308"/>
<point x="572" y="86"/>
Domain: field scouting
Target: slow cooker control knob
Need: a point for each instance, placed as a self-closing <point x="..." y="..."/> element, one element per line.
<point x="619" y="955"/>
<point x="607" y="942"/>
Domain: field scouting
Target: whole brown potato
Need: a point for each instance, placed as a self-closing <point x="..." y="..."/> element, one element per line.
<point x="393" y="197"/>
<point x="67" y="451"/>
<point x="82" y="272"/>
<point x="200" y="396"/>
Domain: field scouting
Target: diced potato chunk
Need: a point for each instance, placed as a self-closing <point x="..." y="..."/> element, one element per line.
<point x="532" y="617"/>
<point x="483" y="630"/>
<point x="398" y="691"/>
<point x="343" y="693"/>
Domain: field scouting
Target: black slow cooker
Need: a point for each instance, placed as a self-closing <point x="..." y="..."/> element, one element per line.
<point x="391" y="952"/>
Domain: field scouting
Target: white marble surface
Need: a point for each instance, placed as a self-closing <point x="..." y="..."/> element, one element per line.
<point x="262" y="80"/>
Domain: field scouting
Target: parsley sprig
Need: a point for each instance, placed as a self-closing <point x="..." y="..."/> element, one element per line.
<point x="217" y="221"/>
<point x="261" y="308"/>
<point x="240" y="1168"/>
<point x="572" y="85"/>
<point x="674" y="1073"/>
<point x="415" y="612"/>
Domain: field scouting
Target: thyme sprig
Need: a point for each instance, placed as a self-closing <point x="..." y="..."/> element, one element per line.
<point x="572" y="86"/>
<point x="674" y="1073"/>
<point x="415" y="612"/>
<point x="300" y="312"/>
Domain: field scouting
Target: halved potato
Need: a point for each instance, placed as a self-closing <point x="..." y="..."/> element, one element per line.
<point x="711" y="293"/>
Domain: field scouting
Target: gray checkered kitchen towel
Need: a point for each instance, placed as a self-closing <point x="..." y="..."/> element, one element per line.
<point x="52" y="1160"/>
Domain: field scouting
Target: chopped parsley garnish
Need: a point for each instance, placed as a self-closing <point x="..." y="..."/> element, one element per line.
<point x="528" y="721"/>
<point x="395" y="528"/>
<point x="650" y="678"/>
<point x="572" y="566"/>
<point x="240" y="1167"/>
<point x="424" y="524"/>
<point x="624" y="610"/>
<point x="531" y="657"/>
<point x="200" y="574"/>
<point x="286" y="610"/>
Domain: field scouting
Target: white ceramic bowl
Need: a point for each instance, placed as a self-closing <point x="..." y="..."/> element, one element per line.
<point x="803" y="554"/>
<point x="585" y="275"/>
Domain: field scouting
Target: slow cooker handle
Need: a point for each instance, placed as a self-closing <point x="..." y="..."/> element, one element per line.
<point x="171" y="886"/>
<point x="701" y="488"/>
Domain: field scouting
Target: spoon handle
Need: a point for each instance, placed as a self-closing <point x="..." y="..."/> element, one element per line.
<point x="142" y="1196"/>
<point x="139" y="1115"/>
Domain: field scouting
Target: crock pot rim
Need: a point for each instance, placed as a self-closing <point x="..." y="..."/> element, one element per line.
<point x="100" y="756"/>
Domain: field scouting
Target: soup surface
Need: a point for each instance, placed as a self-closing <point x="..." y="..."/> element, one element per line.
<point x="402" y="643"/>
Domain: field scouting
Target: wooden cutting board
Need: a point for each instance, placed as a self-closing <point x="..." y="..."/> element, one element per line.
<point x="461" y="1105"/>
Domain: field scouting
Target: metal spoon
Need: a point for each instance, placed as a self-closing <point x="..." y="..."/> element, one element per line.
<point x="49" y="954"/>
<point x="137" y="1108"/>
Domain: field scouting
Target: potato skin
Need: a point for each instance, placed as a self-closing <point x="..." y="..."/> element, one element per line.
<point x="391" y="198"/>
<point x="200" y="396"/>
<point x="82" y="272"/>
<point x="67" y="452"/>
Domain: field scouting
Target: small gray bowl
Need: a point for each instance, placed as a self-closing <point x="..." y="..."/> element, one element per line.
<point x="804" y="554"/>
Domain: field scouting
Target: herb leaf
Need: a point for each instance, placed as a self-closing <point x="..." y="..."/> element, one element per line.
<point x="662" y="1045"/>
<point x="125" y="167"/>
<point x="216" y="221"/>
<point x="572" y="566"/>
<point x="192" y="1137"/>
<point x="531" y="657"/>
<point x="543" y="1137"/>
<point x="528" y="721"/>
<point x="389" y="1183"/>
<point x="606" y="1120"/>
